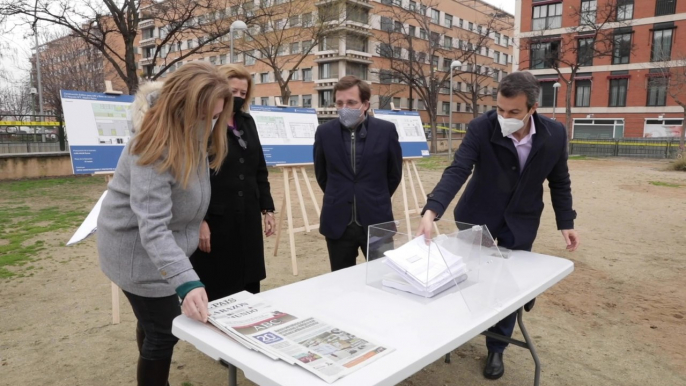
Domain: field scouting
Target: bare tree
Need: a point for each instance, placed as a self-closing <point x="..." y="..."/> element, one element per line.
<point x="667" y="77"/>
<point x="283" y="33"/>
<point x="15" y="99"/>
<point x="112" y="26"/>
<point x="592" y="38"/>
<point x="413" y="45"/>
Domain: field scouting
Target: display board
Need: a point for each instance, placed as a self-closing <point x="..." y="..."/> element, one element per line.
<point x="410" y="131"/>
<point x="98" y="126"/>
<point x="286" y="133"/>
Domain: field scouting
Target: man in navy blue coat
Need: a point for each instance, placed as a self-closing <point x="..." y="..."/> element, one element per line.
<point x="512" y="152"/>
<point x="358" y="165"/>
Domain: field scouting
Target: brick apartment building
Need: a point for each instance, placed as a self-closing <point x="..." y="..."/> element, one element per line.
<point x="622" y="94"/>
<point x="356" y="49"/>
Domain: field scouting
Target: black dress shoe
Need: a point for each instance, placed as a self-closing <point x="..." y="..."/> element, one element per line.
<point x="494" y="365"/>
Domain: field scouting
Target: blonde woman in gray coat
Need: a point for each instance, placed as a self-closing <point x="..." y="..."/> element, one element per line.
<point x="150" y="219"/>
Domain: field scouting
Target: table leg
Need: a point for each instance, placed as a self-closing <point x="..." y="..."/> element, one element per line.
<point x="233" y="377"/>
<point x="447" y="358"/>
<point x="530" y="346"/>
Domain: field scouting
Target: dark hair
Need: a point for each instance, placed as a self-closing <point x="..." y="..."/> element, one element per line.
<point x="350" y="81"/>
<point x="518" y="83"/>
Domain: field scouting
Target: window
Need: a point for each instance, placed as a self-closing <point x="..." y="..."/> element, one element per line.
<point x="448" y="20"/>
<point x="412" y="31"/>
<point x="413" y="6"/>
<point x="460" y="23"/>
<point x="189" y="44"/>
<point x="148" y="33"/>
<point x="236" y="57"/>
<point x="384" y="102"/>
<point x="665" y="7"/>
<point x="386" y="24"/>
<point x="328" y="43"/>
<point x="470" y="26"/>
<point x="148" y="52"/>
<point x="307" y="46"/>
<point x="385" y="50"/>
<point x="544" y="55"/>
<point x="307" y="74"/>
<point x="446" y="64"/>
<point x="356" y="43"/>
<point x="307" y="100"/>
<point x="585" y="52"/>
<point x="478" y="29"/>
<point x="583" y="93"/>
<point x="397" y="26"/>
<point x="328" y="70"/>
<point x="295" y="74"/>
<point x="358" y="14"/>
<point x="326" y="98"/>
<point x="280" y="24"/>
<point x="625" y="9"/>
<point x="547" y="96"/>
<point x="387" y="2"/>
<point x="496" y="38"/>
<point x="396" y="102"/>
<point x="458" y="107"/>
<point x="397" y="3"/>
<point x="264" y="101"/>
<point x="213" y="60"/>
<point x="420" y="104"/>
<point x="445" y="108"/>
<point x="506" y="58"/>
<point x="435" y="39"/>
<point x="618" y="92"/>
<point x="307" y="19"/>
<point x="622" y="48"/>
<point x="547" y="16"/>
<point x="222" y="59"/>
<point x="385" y="77"/>
<point x="357" y="69"/>
<point x="662" y="45"/>
<point x="496" y="56"/>
<point x="434" y="61"/>
<point x="397" y="52"/>
<point x="422" y="9"/>
<point x="496" y="73"/>
<point x="294" y="20"/>
<point x="506" y="40"/>
<point x="264" y="77"/>
<point x="422" y="33"/>
<point x="281" y="50"/>
<point x="657" y="91"/>
<point x="295" y="48"/>
<point x="447" y="42"/>
<point x="588" y="12"/>
<point x="293" y="100"/>
<point x="250" y="58"/>
<point x="435" y="15"/>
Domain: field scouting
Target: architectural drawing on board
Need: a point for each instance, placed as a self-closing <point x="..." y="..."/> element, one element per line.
<point x="302" y="130"/>
<point x="270" y="127"/>
<point x="113" y="122"/>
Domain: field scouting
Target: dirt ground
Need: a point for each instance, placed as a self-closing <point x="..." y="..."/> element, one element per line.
<point x="617" y="320"/>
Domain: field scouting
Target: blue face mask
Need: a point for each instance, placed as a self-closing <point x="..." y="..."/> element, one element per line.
<point x="350" y="117"/>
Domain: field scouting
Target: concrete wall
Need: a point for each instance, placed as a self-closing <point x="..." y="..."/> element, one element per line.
<point x="20" y="166"/>
<point x="442" y="144"/>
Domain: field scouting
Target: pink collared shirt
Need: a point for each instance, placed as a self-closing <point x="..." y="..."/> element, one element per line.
<point x="523" y="147"/>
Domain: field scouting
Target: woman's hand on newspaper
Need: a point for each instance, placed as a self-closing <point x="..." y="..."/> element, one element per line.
<point x="195" y="305"/>
<point x="204" y="243"/>
<point x="426" y="225"/>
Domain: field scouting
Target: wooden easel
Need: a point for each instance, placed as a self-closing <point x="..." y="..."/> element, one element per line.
<point x="410" y="168"/>
<point x="288" y="171"/>
<point x="115" y="289"/>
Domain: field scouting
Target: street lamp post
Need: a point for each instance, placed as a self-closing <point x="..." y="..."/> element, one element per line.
<point x="237" y="25"/>
<point x="455" y="63"/>
<point x="556" y="86"/>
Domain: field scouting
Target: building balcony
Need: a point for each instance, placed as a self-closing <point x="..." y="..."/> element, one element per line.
<point x="145" y="61"/>
<point x="147" y="42"/>
<point x="359" y="3"/>
<point x="350" y="56"/>
<point x="325" y="84"/>
<point x="146" y="23"/>
<point x="327" y="112"/>
<point x="353" y="27"/>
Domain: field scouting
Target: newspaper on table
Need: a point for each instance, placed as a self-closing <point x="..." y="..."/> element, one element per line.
<point x="429" y="268"/>
<point x="324" y="350"/>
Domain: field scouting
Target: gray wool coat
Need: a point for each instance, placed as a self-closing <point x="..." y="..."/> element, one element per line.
<point x="148" y="225"/>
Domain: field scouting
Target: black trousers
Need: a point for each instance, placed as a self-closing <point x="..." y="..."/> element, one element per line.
<point x="155" y="317"/>
<point x="214" y="293"/>
<point x="343" y="252"/>
<point x="506" y="326"/>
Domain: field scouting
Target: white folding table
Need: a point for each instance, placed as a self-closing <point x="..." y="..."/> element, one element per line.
<point x="420" y="330"/>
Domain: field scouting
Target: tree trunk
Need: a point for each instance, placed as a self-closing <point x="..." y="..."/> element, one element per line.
<point x="568" y="109"/>
<point x="475" y="101"/>
<point x="434" y="140"/>
<point x="683" y="133"/>
<point x="131" y="74"/>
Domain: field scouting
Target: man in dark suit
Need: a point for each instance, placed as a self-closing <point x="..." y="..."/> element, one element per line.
<point x="512" y="153"/>
<point x="358" y="164"/>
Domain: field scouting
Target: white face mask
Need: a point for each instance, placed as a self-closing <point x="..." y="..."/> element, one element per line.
<point x="511" y="125"/>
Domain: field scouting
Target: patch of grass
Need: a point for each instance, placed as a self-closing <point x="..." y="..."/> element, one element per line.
<point x="435" y="162"/>
<point x="578" y="157"/>
<point x="667" y="184"/>
<point x="36" y="187"/>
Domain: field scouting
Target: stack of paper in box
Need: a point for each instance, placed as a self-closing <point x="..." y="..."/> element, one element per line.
<point x="422" y="269"/>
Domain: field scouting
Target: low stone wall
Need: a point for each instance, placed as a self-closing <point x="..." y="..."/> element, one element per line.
<point x="34" y="165"/>
<point x="442" y="144"/>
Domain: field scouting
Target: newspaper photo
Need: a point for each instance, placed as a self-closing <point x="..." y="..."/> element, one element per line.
<point x="325" y="350"/>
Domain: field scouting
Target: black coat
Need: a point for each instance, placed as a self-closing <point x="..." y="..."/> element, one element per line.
<point x="240" y="191"/>
<point x="372" y="186"/>
<point x="498" y="195"/>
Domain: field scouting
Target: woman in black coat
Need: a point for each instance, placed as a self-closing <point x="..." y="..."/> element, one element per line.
<point x="230" y="255"/>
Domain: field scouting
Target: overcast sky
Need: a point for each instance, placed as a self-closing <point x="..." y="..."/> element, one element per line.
<point x="20" y="41"/>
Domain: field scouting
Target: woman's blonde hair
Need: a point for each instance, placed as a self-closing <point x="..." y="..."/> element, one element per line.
<point x="239" y="72"/>
<point x="176" y="130"/>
